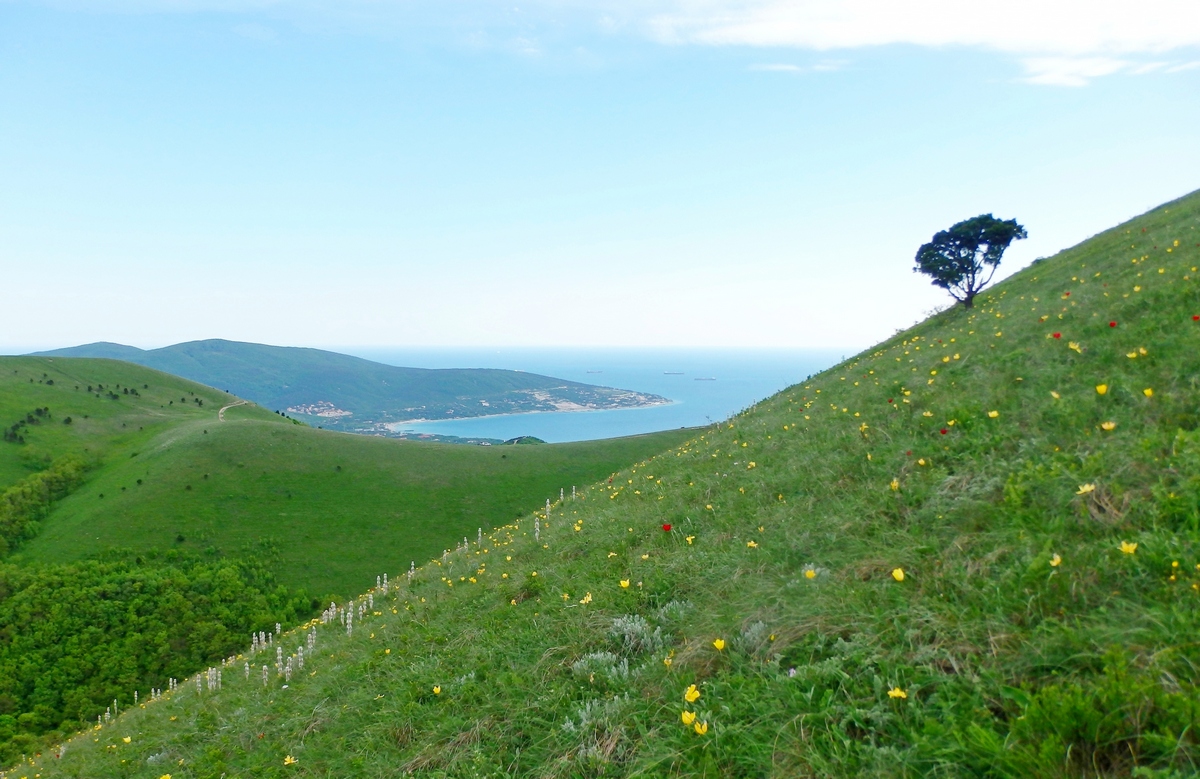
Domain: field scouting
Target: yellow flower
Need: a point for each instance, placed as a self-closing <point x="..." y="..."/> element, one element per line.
<point x="624" y="584"/>
<point x="895" y="484"/>
<point x="127" y="739"/>
<point x="437" y="689"/>
<point x="1084" y="489"/>
<point x="708" y="506"/>
<point x="645" y="557"/>
<point x="667" y="662"/>
<point x="719" y="644"/>
<point x="1128" y="548"/>
<point x="289" y="760"/>
<point x="1148" y="392"/>
<point x="927" y="414"/>
<point x="691" y="694"/>
<point x="1055" y="561"/>
<point x="586" y="599"/>
<point x="566" y="596"/>
<point x="1108" y="425"/>
<point x="612" y="554"/>
<point x="751" y="464"/>
<point x="810" y="574"/>
<point x="898" y="574"/>
<point x="921" y="461"/>
<point x="690" y="539"/>
<point x="701" y="728"/>
<point x="165" y="776"/>
<point x="1131" y="355"/>
<point x="896" y="692"/>
<point x="1074" y="347"/>
<point x="1055" y="395"/>
<point x="688" y="717"/>
<point x="1101" y="389"/>
<point x="752" y="544"/>
<point x="993" y="414"/>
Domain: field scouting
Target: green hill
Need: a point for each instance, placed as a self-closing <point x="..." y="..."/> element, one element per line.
<point x="171" y="475"/>
<point x="337" y="391"/>
<point x="973" y="550"/>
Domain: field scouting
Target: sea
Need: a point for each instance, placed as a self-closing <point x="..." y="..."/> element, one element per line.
<point x="703" y="385"/>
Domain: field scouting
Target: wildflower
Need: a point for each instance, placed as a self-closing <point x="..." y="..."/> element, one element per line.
<point x="1128" y="548"/>
<point x="719" y="644"/>
<point x="437" y="689"/>
<point x="896" y="692"/>
<point x="666" y="528"/>
<point x="944" y="431"/>
<point x="921" y="461"/>
<point x="752" y="544"/>
<point x="688" y="717"/>
<point x="898" y="574"/>
<point x="624" y="584"/>
<point x="691" y="694"/>
<point x="289" y="760"/>
<point x="701" y="728"/>
<point x="127" y="739"/>
<point x="667" y="662"/>
<point x="927" y="414"/>
<point x="690" y="539"/>
<point x="708" y="506"/>
<point x="1112" y="324"/>
<point x="751" y="465"/>
<point x="1084" y="489"/>
<point x="993" y="414"/>
<point x="612" y="554"/>
<point x="1056" y="335"/>
<point x="587" y="598"/>
<point x="645" y="557"/>
<point x="1101" y="389"/>
<point x="1108" y="425"/>
<point x="810" y="573"/>
<point x="1148" y="392"/>
<point x="1055" y="395"/>
<point x="895" y="484"/>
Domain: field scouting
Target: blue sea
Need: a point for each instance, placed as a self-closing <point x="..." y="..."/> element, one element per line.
<point x="705" y="386"/>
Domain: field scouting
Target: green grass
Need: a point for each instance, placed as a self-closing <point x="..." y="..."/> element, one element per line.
<point x="257" y="484"/>
<point x="1027" y="637"/>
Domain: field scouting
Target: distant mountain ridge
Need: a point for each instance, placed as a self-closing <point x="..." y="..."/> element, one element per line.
<point x="349" y="393"/>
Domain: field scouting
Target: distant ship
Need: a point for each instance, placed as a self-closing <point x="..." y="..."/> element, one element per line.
<point x="704" y="378"/>
<point x="595" y="371"/>
<point x="672" y="373"/>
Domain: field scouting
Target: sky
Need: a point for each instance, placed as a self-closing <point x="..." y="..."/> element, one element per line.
<point x="695" y="173"/>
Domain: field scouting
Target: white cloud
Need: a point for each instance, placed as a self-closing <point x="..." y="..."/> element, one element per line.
<point x="1062" y="27"/>
<point x="1184" y="66"/>
<point x="1070" y="71"/>
<point x="781" y="67"/>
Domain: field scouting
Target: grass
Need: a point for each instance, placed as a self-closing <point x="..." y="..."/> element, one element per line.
<point x="173" y="476"/>
<point x="885" y="571"/>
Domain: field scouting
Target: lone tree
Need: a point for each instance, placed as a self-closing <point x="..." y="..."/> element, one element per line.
<point x="956" y="259"/>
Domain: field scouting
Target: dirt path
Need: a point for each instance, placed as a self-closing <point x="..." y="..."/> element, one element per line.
<point x="221" y="413"/>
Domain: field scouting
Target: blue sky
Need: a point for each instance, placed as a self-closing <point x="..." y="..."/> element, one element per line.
<point x="664" y="173"/>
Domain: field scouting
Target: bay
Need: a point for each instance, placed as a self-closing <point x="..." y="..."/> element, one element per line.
<point x="704" y="385"/>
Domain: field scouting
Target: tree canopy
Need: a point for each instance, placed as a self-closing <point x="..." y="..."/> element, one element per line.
<point x="958" y="259"/>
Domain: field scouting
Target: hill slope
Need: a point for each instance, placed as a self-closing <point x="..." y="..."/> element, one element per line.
<point x="171" y="475"/>
<point x="971" y="551"/>
<point x="348" y="393"/>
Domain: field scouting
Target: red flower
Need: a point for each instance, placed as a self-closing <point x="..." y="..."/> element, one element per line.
<point x="1056" y="335"/>
<point x="944" y="431"/>
<point x="666" y="528"/>
<point x="1112" y="324"/>
<point x="1195" y="318"/>
<point x="1066" y="294"/>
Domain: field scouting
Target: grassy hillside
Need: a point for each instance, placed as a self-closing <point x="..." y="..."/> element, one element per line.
<point x="172" y="476"/>
<point x="971" y="551"/>
<point x="348" y="393"/>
